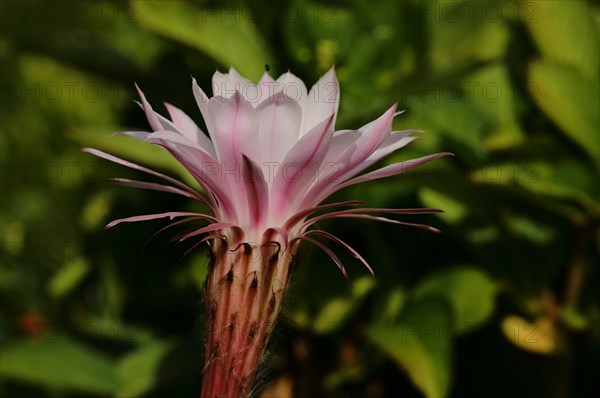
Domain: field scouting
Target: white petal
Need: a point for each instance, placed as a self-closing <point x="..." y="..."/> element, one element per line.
<point x="250" y="91"/>
<point x="202" y="102"/>
<point x="235" y="119"/>
<point x="279" y="125"/>
<point x="267" y="86"/>
<point x="222" y="85"/>
<point x="323" y="100"/>
<point x="292" y="87"/>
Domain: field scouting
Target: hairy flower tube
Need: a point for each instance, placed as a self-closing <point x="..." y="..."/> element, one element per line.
<point x="271" y="157"/>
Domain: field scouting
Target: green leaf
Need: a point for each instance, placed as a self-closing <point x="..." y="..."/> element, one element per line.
<point x="491" y="90"/>
<point x="111" y="329"/>
<point x="471" y="293"/>
<point x="562" y="178"/>
<point x="457" y="42"/>
<point x="573" y="318"/>
<point x="333" y="314"/>
<point x="336" y="311"/>
<point x="571" y="101"/>
<point x="389" y="305"/>
<point x="539" y="336"/>
<point x="529" y="229"/>
<point x="230" y="38"/>
<point x="460" y="120"/>
<point x="454" y="210"/>
<point x="420" y="344"/>
<point x="67" y="277"/>
<point x="565" y="31"/>
<point x="59" y="364"/>
<point x="138" y="372"/>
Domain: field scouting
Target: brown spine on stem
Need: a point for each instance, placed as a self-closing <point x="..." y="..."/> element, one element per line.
<point x="244" y="294"/>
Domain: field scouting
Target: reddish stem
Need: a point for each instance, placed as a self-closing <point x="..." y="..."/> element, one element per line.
<point x="244" y="292"/>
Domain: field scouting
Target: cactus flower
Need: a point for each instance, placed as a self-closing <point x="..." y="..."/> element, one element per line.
<point x="269" y="160"/>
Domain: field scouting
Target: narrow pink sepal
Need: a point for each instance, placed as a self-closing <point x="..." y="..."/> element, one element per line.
<point x="330" y="253"/>
<point x="152" y="186"/>
<point x="171" y="215"/>
<point x="209" y="228"/>
<point x="344" y="244"/>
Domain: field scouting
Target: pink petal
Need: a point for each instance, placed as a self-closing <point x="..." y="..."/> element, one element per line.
<point x="257" y="192"/>
<point x="150" y="115"/>
<point x="135" y="166"/>
<point x="205" y="170"/>
<point x="295" y="174"/>
<point x="156" y="120"/>
<point x="189" y="129"/>
<point x="372" y="136"/>
<point x="140" y="135"/>
<point x="391" y="170"/>
<point x="172" y="136"/>
<point x="347" y="164"/>
<point x="388" y="171"/>
<point x="164" y="135"/>
<point x="162" y="138"/>
<point x="340" y="142"/>
<point x="395" y="141"/>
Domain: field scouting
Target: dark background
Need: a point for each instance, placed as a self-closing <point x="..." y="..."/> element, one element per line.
<point x="503" y="304"/>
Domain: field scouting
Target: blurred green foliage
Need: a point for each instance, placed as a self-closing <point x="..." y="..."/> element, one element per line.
<point x="504" y="303"/>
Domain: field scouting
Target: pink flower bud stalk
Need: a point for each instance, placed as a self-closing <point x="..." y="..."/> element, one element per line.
<point x="271" y="157"/>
